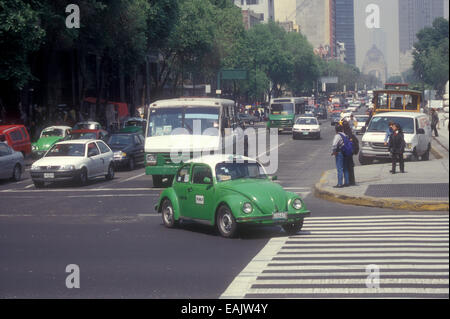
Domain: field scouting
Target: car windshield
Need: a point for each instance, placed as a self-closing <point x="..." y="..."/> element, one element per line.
<point x="134" y="123"/>
<point x="86" y="126"/>
<point x="232" y="171"/>
<point x="361" y="118"/>
<point x="83" y="136"/>
<point x="52" y="132"/>
<point x="381" y="123"/>
<point x="282" y="108"/>
<point x="306" y="121"/>
<point x="120" y="139"/>
<point x="165" y="121"/>
<point x="66" y="150"/>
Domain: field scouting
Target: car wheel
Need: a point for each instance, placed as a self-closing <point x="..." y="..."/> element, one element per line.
<point x="293" y="228"/>
<point x="110" y="174"/>
<point x="131" y="164"/>
<point x="318" y="136"/>
<point x="17" y="173"/>
<point x="157" y="181"/>
<point x="294" y="137"/>
<point x="83" y="177"/>
<point x="226" y="223"/>
<point x="38" y="184"/>
<point x="167" y="214"/>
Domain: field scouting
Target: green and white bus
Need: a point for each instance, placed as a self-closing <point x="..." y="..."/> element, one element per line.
<point x="186" y="126"/>
<point x="282" y="112"/>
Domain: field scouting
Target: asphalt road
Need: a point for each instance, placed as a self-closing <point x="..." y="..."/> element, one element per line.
<point x="110" y="230"/>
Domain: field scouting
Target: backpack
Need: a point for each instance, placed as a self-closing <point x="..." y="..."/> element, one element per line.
<point x="347" y="147"/>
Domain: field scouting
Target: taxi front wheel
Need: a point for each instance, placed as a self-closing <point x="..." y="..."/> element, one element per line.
<point x="293" y="228"/>
<point x="226" y="223"/>
<point x="168" y="214"/>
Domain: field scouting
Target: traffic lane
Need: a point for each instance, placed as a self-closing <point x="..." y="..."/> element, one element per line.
<point x="129" y="259"/>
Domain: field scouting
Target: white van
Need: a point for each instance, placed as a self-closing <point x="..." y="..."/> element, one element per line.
<point x="416" y="129"/>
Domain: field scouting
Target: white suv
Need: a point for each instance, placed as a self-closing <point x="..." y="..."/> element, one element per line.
<point x="416" y="129"/>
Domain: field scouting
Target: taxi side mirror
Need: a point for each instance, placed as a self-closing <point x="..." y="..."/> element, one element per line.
<point x="274" y="178"/>
<point x="207" y="180"/>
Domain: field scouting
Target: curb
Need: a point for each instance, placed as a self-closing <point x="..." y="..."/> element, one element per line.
<point x="436" y="153"/>
<point x="413" y="205"/>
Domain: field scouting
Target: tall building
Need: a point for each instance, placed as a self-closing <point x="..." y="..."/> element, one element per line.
<point x="345" y="28"/>
<point x="265" y="8"/>
<point x="316" y="21"/>
<point x="414" y="15"/>
<point x="286" y="14"/>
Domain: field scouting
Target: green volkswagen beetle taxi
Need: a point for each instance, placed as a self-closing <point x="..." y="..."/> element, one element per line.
<point x="227" y="191"/>
<point x="49" y="136"/>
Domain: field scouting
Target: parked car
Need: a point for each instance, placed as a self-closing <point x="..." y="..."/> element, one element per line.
<point x="306" y="127"/>
<point x="134" y="125"/>
<point x="416" y="129"/>
<point x="87" y="134"/>
<point x="17" y="137"/>
<point x="87" y="125"/>
<point x="48" y="137"/>
<point x="128" y="149"/>
<point x="360" y="126"/>
<point x="11" y="163"/>
<point x="227" y="191"/>
<point x="74" y="160"/>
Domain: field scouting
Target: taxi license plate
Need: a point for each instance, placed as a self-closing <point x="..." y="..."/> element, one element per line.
<point x="279" y="215"/>
<point x="305" y="133"/>
<point x="49" y="175"/>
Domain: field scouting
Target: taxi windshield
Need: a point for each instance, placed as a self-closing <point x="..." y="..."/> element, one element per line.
<point x="306" y="121"/>
<point x="194" y="120"/>
<point x="232" y="171"/>
<point x="66" y="150"/>
<point x="52" y="132"/>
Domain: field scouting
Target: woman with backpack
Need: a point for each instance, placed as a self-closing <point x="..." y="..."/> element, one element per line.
<point x="397" y="148"/>
<point x="339" y="149"/>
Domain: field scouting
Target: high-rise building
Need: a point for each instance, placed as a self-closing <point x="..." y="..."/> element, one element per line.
<point x="265" y="8"/>
<point x="345" y="28"/>
<point x="414" y="15"/>
<point x="286" y="14"/>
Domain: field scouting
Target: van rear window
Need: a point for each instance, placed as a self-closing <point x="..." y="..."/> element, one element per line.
<point x="16" y="135"/>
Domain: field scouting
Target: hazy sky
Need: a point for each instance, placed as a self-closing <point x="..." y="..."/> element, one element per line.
<point x="386" y="37"/>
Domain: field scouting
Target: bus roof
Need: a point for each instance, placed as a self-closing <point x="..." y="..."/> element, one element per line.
<point x="191" y="101"/>
<point x="394" y="91"/>
<point x="287" y="99"/>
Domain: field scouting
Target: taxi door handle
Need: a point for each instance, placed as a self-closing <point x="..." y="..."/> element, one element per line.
<point x="189" y="189"/>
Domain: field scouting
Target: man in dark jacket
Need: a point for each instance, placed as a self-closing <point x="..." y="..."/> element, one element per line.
<point x="397" y="148"/>
<point x="434" y="121"/>
<point x="349" y="160"/>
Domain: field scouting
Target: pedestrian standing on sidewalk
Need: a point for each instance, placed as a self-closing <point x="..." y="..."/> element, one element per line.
<point x="434" y="121"/>
<point x="348" y="160"/>
<point x="397" y="148"/>
<point x="341" y="167"/>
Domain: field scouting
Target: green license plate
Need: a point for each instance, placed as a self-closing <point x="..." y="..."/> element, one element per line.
<point x="279" y="215"/>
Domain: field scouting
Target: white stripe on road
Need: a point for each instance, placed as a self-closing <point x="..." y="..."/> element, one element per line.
<point x="353" y="261"/>
<point x="362" y="249"/>
<point x="81" y="190"/>
<point x="28" y="186"/>
<point x="131" y="178"/>
<point x="361" y="273"/>
<point x="302" y="240"/>
<point x="308" y="223"/>
<point x="382" y="267"/>
<point x="377" y="244"/>
<point x="353" y="281"/>
<point x="362" y="254"/>
<point x="382" y="217"/>
<point x="312" y="291"/>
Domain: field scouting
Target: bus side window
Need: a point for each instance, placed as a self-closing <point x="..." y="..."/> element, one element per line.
<point x="411" y="102"/>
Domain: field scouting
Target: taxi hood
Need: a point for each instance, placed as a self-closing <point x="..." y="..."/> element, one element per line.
<point x="266" y="195"/>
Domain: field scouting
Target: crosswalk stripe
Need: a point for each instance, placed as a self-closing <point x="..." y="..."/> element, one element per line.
<point x="328" y="259"/>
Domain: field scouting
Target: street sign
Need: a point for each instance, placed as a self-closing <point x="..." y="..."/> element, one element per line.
<point x="237" y="74"/>
<point x="329" y="79"/>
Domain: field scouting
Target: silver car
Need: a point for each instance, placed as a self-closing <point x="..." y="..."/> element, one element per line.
<point x="11" y="163"/>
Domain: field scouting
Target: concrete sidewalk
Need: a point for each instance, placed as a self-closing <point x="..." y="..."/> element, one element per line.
<point x="424" y="186"/>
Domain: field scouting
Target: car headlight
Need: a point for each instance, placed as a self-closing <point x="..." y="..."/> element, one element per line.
<point x="247" y="208"/>
<point x="34" y="167"/>
<point x="297" y="203"/>
<point x="365" y="143"/>
<point x="151" y="159"/>
<point x="409" y="146"/>
<point x="120" y="154"/>
<point x="67" y="168"/>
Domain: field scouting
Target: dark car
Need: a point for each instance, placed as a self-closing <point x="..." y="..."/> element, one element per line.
<point x="128" y="149"/>
<point x="247" y="119"/>
<point x="87" y="134"/>
<point x="335" y="118"/>
<point x="322" y="113"/>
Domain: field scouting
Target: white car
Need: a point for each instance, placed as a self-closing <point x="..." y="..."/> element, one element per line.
<point x="306" y="127"/>
<point x="78" y="160"/>
<point x="417" y="133"/>
<point x="346" y="115"/>
<point x="360" y="123"/>
<point x="353" y="107"/>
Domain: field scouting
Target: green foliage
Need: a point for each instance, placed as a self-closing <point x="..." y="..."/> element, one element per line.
<point x="431" y="54"/>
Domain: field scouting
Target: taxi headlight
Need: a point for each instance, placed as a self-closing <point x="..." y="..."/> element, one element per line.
<point x="34" y="167"/>
<point x="151" y="159"/>
<point x="67" y="168"/>
<point x="247" y="208"/>
<point x="297" y="203"/>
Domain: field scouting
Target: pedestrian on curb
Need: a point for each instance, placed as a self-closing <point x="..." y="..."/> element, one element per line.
<point x="388" y="133"/>
<point x="341" y="161"/>
<point x="349" y="159"/>
<point x="397" y="148"/>
<point x="434" y="121"/>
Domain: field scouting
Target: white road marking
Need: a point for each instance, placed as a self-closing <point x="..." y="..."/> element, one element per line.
<point x="411" y="249"/>
<point x="82" y="190"/>
<point x="131" y="178"/>
<point x="28" y="186"/>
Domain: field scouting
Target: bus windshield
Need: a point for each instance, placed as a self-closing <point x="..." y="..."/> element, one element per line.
<point x="282" y="108"/>
<point x="194" y="120"/>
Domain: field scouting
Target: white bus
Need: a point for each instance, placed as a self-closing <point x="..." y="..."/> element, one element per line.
<point x="187" y="126"/>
